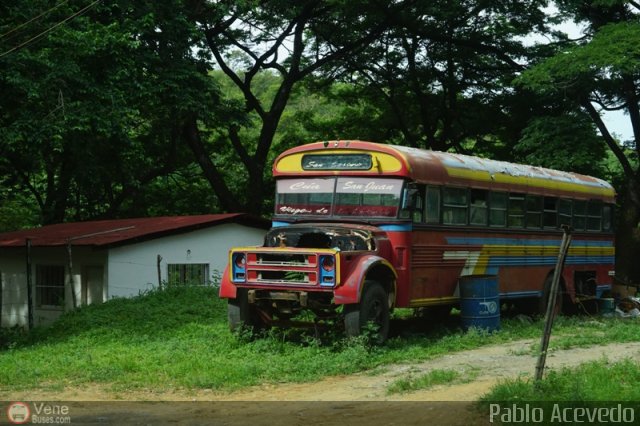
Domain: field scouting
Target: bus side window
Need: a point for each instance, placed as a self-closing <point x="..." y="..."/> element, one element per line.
<point x="564" y="212"/>
<point x="534" y="211"/>
<point x="550" y="219"/>
<point x="516" y="211"/>
<point x="606" y="217"/>
<point x="418" y="206"/>
<point x="579" y="215"/>
<point x="498" y="209"/>
<point x="478" y="207"/>
<point x="594" y="216"/>
<point x="432" y="207"/>
<point x="454" y="206"/>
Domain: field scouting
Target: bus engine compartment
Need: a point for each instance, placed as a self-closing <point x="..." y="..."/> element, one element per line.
<point x="321" y="236"/>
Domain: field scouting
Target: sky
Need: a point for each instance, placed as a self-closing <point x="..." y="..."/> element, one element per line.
<point x="617" y="122"/>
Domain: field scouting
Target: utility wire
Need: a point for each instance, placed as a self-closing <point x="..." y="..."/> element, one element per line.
<point x="45" y="32"/>
<point x="33" y="19"/>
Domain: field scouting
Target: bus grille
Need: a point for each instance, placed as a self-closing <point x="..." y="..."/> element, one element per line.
<point x="276" y="266"/>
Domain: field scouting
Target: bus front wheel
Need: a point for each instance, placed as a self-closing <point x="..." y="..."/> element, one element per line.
<point x="241" y="314"/>
<point x="371" y="316"/>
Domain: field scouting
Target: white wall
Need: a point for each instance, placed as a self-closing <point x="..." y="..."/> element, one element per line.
<point x="14" y="280"/>
<point x="127" y="270"/>
<point x="133" y="268"/>
<point x="14" y="288"/>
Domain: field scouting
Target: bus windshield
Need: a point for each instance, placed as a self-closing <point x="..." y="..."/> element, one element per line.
<point x="341" y="196"/>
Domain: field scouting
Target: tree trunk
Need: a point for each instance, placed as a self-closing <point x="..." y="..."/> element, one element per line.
<point x="628" y="234"/>
<point x="228" y="201"/>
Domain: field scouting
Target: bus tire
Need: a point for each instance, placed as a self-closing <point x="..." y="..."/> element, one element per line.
<point x="372" y="309"/>
<point x="241" y="314"/>
<point x="543" y="301"/>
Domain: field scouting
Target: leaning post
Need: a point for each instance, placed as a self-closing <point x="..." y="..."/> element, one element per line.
<point x="551" y="302"/>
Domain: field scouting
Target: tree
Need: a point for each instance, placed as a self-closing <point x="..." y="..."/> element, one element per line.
<point x="601" y="72"/>
<point x="291" y="40"/>
<point x="92" y="101"/>
<point x="565" y="142"/>
<point x="444" y="69"/>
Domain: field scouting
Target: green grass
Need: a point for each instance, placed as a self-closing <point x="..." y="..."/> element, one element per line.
<point x="178" y="338"/>
<point x="424" y="381"/>
<point x="593" y="381"/>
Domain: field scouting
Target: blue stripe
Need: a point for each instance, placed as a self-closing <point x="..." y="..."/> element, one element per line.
<point x="479" y="241"/>
<point x="495" y="261"/>
<point x="397" y="228"/>
<point x="518" y="294"/>
<point x="581" y="260"/>
<point x="277" y="224"/>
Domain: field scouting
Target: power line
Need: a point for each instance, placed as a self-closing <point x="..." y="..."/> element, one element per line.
<point x="33" y="19"/>
<point x="45" y="32"/>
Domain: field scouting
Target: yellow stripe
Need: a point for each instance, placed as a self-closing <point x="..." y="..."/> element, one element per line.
<point x="539" y="251"/>
<point x="483" y="176"/>
<point x="432" y="301"/>
<point x="381" y="162"/>
<point x="488" y="251"/>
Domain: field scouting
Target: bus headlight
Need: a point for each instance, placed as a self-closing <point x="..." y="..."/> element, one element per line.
<point x="239" y="265"/>
<point x="327" y="270"/>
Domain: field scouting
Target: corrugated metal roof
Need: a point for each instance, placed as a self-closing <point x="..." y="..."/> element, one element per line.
<point x="101" y="233"/>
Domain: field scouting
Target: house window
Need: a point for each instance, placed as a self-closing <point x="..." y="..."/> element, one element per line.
<point x="188" y="273"/>
<point x="50" y="286"/>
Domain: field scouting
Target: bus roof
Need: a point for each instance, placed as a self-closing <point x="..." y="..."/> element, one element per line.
<point x="360" y="158"/>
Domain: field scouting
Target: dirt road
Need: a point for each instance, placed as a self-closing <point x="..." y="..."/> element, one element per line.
<point x="355" y="399"/>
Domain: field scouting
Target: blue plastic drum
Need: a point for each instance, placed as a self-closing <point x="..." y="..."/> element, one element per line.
<point x="480" y="302"/>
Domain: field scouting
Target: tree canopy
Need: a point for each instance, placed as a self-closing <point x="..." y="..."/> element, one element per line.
<point x="115" y="108"/>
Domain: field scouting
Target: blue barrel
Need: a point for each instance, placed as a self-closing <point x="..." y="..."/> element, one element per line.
<point x="480" y="302"/>
<point x="607" y="306"/>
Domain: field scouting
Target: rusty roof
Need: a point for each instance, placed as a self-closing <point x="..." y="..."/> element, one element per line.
<point x="104" y="233"/>
<point x="434" y="167"/>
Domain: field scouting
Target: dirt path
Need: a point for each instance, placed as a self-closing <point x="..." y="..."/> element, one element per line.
<point x="362" y="397"/>
<point x="486" y="365"/>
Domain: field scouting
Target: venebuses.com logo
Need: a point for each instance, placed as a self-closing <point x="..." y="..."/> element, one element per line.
<point x="18" y="413"/>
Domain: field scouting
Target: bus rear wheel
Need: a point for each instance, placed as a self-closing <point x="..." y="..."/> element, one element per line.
<point x="371" y="315"/>
<point x="546" y="293"/>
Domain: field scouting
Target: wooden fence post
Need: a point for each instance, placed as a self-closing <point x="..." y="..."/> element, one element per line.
<point x="29" y="289"/>
<point x="71" y="283"/>
<point x="551" y="302"/>
<point x="159" y="272"/>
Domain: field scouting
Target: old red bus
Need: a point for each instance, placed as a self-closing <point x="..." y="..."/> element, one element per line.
<point x="360" y="228"/>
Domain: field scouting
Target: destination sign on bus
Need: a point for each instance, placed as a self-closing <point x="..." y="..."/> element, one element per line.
<point x="336" y="162"/>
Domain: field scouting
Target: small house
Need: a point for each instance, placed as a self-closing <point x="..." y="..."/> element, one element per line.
<point x="59" y="267"/>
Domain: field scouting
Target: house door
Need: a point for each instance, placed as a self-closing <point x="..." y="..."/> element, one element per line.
<point x="92" y="288"/>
